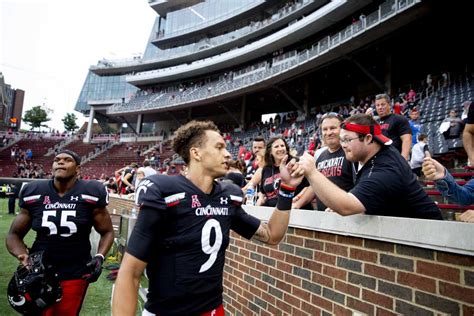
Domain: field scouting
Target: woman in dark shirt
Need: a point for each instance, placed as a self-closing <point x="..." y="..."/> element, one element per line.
<point x="276" y="149"/>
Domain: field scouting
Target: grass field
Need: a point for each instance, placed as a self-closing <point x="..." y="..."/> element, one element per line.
<point x="97" y="302"/>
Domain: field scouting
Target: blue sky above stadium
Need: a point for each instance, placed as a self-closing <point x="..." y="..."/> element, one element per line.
<point x="47" y="46"/>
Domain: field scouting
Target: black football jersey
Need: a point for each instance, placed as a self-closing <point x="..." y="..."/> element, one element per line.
<point x="182" y="233"/>
<point x="63" y="224"/>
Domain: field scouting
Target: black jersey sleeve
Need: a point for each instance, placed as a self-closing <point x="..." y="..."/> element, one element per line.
<point x="144" y="233"/>
<point x="148" y="193"/>
<point x="97" y="189"/>
<point x="30" y="193"/>
<point x="245" y="224"/>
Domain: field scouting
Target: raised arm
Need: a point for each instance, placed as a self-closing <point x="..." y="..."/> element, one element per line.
<point x="330" y="194"/>
<point x="273" y="231"/>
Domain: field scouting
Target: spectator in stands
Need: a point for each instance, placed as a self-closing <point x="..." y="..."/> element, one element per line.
<point x="126" y="178"/>
<point x="300" y="147"/>
<point x="242" y="150"/>
<point x="415" y="125"/>
<point x="140" y="174"/>
<point x="111" y="185"/>
<point x="235" y="173"/>
<point x="332" y="162"/>
<point x="312" y="146"/>
<point x="148" y="169"/>
<point x="419" y="152"/>
<point x="394" y="126"/>
<point x="448" y="187"/>
<point x="171" y="170"/>
<point x="452" y="126"/>
<point x="411" y="96"/>
<point x="468" y="135"/>
<point x="384" y="184"/>
<point x="276" y="149"/>
<point x="13" y="153"/>
<point x="258" y="145"/>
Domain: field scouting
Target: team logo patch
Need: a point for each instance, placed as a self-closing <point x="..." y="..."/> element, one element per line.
<point x="31" y="198"/>
<point x="174" y="199"/>
<point x="195" y="201"/>
<point x="46" y="200"/>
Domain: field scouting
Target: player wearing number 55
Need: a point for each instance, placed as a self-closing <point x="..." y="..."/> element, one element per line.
<point x="182" y="230"/>
<point x="62" y="211"/>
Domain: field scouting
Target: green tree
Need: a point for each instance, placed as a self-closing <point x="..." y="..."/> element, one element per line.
<point x="69" y="122"/>
<point x="36" y="116"/>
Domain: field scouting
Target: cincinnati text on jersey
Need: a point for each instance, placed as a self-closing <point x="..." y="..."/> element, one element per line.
<point x="210" y="210"/>
<point x="63" y="206"/>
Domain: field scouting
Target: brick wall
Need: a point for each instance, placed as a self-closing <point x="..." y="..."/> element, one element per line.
<point x="120" y="205"/>
<point x="316" y="273"/>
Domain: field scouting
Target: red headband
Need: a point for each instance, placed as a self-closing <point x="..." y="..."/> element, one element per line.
<point x="374" y="130"/>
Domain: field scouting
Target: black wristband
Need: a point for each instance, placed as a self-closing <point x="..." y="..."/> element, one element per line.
<point x="285" y="197"/>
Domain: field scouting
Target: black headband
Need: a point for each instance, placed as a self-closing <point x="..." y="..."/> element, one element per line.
<point x="75" y="156"/>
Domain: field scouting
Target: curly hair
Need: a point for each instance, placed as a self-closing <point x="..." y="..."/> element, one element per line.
<point x="189" y="135"/>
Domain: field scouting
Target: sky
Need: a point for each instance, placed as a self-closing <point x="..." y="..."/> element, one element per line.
<point x="47" y="46"/>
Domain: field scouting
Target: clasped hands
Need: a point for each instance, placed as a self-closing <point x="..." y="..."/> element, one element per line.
<point x="292" y="173"/>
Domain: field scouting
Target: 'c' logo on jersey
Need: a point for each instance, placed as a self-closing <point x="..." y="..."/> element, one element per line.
<point x="195" y="201"/>
<point x="224" y="200"/>
<point x="142" y="187"/>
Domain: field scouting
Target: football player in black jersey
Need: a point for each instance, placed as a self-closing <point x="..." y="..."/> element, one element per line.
<point x="62" y="212"/>
<point x="183" y="226"/>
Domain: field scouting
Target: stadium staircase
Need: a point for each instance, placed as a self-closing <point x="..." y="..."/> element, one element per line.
<point x="113" y="159"/>
<point x="39" y="147"/>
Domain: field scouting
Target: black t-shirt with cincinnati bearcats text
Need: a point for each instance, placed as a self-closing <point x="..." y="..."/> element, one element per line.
<point x="336" y="168"/>
<point x="393" y="126"/>
<point x="270" y="185"/>
<point x="182" y="233"/>
<point x="63" y="224"/>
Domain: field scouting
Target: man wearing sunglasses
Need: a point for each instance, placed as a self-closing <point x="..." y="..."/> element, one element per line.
<point x="385" y="184"/>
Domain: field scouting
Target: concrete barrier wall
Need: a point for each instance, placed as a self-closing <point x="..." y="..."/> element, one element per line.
<point x="328" y="264"/>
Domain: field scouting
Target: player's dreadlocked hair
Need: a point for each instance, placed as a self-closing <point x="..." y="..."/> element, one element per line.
<point x="190" y="135"/>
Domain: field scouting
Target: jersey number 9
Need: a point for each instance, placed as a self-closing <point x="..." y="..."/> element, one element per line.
<point x="206" y="240"/>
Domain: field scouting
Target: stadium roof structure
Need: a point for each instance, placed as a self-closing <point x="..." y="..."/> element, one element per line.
<point x="235" y="60"/>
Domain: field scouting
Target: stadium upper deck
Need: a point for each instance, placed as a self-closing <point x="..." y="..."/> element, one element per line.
<point x="235" y="60"/>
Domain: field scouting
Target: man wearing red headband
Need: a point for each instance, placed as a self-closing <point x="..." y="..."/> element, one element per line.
<point x="385" y="184"/>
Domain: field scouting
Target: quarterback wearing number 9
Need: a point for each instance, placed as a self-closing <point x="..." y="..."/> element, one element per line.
<point x="183" y="227"/>
<point x="62" y="212"/>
